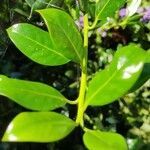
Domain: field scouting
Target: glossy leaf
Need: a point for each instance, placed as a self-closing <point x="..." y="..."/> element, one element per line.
<point x="36" y="44"/>
<point x="97" y="140"/>
<point x="64" y="32"/>
<point x="32" y="95"/>
<point x="144" y="76"/>
<point x="38" y="127"/>
<point x="115" y="81"/>
<point x="107" y="8"/>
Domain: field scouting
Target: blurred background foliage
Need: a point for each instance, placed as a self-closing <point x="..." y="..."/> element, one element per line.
<point x="130" y="116"/>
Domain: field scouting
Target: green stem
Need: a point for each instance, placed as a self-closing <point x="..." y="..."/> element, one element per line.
<point x="71" y="102"/>
<point x="83" y="84"/>
<point x="94" y="24"/>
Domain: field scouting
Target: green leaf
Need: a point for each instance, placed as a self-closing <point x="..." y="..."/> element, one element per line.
<point x="107" y="8"/>
<point x="97" y="140"/>
<point x="115" y="81"/>
<point x="144" y="76"/>
<point x="36" y="44"/>
<point x="38" y="127"/>
<point x="83" y="5"/>
<point x="30" y="2"/>
<point x="40" y="4"/>
<point x="32" y="95"/>
<point x="64" y="32"/>
<point x="91" y="9"/>
<point x="148" y="57"/>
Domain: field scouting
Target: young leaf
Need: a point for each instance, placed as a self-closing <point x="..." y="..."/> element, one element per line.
<point x="107" y="8"/>
<point x="32" y="95"/>
<point x="36" y="44"/>
<point x="97" y="140"/>
<point x="38" y="127"/>
<point x="115" y="81"/>
<point x="64" y="32"/>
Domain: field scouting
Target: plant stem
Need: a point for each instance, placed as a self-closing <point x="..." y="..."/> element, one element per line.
<point x="94" y="24"/>
<point x="71" y="102"/>
<point x="83" y="83"/>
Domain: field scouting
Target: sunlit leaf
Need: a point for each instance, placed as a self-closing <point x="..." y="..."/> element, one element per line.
<point x="115" y="81"/>
<point x="97" y="140"/>
<point x="107" y="8"/>
<point x="38" y="127"/>
<point x="64" y="32"/>
<point x="145" y="75"/>
<point x="32" y="95"/>
<point x="36" y="44"/>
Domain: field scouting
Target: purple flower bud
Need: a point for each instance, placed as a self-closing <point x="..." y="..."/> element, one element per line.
<point x="122" y="12"/>
<point x="103" y="33"/>
<point x="140" y="10"/>
<point x="79" y="22"/>
<point x="146" y="15"/>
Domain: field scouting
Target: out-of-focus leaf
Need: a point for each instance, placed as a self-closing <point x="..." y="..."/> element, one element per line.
<point x="36" y="44"/>
<point x="30" y="2"/>
<point x="97" y="140"/>
<point x="92" y="8"/>
<point x="83" y="5"/>
<point x="38" y="127"/>
<point x="64" y="32"/>
<point x="133" y="6"/>
<point x="56" y="3"/>
<point x="32" y="95"/>
<point x="107" y="8"/>
<point x="39" y="4"/>
<point x="21" y="12"/>
<point x="115" y="81"/>
<point x="148" y="57"/>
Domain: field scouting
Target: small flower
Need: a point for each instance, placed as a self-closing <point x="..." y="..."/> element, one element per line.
<point x="140" y="10"/>
<point x="146" y="16"/>
<point x="103" y="33"/>
<point x="79" y="22"/>
<point x="122" y="12"/>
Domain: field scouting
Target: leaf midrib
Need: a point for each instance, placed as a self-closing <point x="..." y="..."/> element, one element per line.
<point x="103" y="8"/>
<point x="49" y="49"/>
<point x="100" y="138"/>
<point x="36" y="93"/>
<point x="98" y="90"/>
<point x="75" y="49"/>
